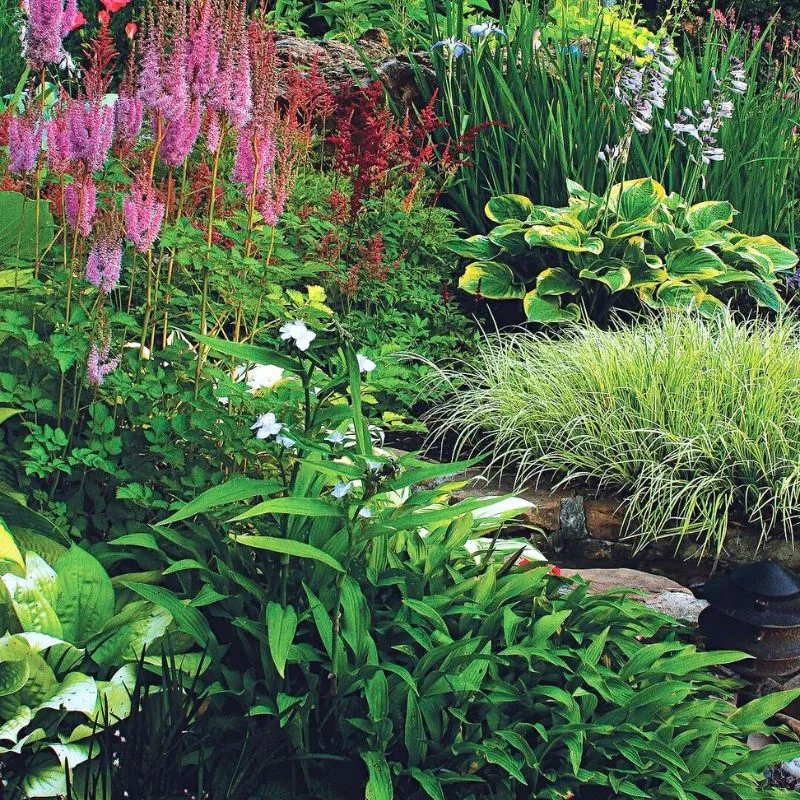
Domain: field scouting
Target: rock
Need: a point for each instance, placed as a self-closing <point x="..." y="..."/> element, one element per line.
<point x="339" y="62"/>
<point x="659" y="593"/>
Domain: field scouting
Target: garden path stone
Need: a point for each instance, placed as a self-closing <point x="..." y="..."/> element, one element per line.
<point x="659" y="593"/>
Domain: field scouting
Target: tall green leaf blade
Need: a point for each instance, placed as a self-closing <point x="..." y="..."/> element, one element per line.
<point x="232" y="491"/>
<point x="281" y="627"/>
<point x="288" y="547"/>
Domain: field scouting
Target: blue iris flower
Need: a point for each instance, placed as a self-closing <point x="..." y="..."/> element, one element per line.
<point x="452" y="47"/>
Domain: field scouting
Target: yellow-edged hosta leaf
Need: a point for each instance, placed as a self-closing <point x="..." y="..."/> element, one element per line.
<point x="8" y="547"/>
<point x="678" y="294"/>
<point x="510" y="236"/>
<point x="698" y="264"/>
<point x="710" y="215"/>
<point x="479" y="248"/>
<point x="781" y="257"/>
<point x="765" y="295"/>
<point x="507" y="207"/>
<point x="615" y="279"/>
<point x="556" y="281"/>
<point x="548" y="310"/>
<point x="636" y="199"/>
<point x="627" y="228"/>
<point x="491" y="280"/>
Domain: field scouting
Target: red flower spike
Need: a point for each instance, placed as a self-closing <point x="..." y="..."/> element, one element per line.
<point x="104" y="18"/>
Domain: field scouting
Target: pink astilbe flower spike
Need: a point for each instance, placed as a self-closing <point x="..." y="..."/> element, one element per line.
<point x="150" y="89"/>
<point x="246" y="169"/>
<point x="174" y="97"/>
<point x="80" y="203"/>
<point x="46" y="25"/>
<point x="98" y="364"/>
<point x="24" y="143"/>
<point x="231" y="93"/>
<point x="104" y="264"/>
<point x="90" y="130"/>
<point x="57" y="151"/>
<point x="180" y="136"/>
<point x="143" y="214"/>
<point x="128" y="112"/>
<point x="213" y="131"/>
<point x="202" y="59"/>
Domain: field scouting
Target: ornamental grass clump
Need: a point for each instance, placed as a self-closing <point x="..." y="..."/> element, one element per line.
<point x="694" y="423"/>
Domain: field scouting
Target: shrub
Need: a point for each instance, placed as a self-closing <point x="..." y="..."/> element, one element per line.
<point x="635" y="240"/>
<point x="694" y="422"/>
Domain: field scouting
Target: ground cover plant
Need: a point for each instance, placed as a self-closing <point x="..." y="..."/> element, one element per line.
<point x="692" y="421"/>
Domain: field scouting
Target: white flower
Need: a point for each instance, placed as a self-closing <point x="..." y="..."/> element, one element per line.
<point x="283" y="440"/>
<point x="259" y="376"/>
<point x="335" y="438"/>
<point x="298" y="331"/>
<point x="341" y="489"/>
<point x="365" y="364"/>
<point x="483" y="30"/>
<point x="266" y="426"/>
<point x="365" y="513"/>
<point x="374" y="466"/>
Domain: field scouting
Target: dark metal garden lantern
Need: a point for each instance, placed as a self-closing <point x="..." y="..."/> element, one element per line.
<point x="754" y="608"/>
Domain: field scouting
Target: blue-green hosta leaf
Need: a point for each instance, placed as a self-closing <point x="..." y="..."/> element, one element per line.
<point x="508" y="207"/>
<point x="699" y="264"/>
<point x="556" y="281"/>
<point x="709" y="215"/>
<point x="491" y="280"/>
<point x="765" y="295"/>
<point x="636" y="199"/>
<point x="615" y="279"/>
<point x="281" y="627"/>
<point x="509" y="236"/>
<point x="479" y="248"/>
<point x="86" y="596"/>
<point x="549" y="310"/>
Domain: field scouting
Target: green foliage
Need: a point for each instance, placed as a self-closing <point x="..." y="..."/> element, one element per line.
<point x="693" y="422"/>
<point x="635" y="239"/>
<point x="551" y="109"/>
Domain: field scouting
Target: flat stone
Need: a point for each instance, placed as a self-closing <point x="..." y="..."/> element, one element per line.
<point x="677" y="604"/>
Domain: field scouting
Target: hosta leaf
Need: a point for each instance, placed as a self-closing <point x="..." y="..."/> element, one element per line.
<point x="781" y="257"/>
<point x="491" y="280"/>
<point x="676" y="294"/>
<point x="643" y="275"/>
<point x="709" y="306"/>
<point x="547" y="310"/>
<point x="45" y="780"/>
<point x="13" y="676"/>
<point x="41" y="683"/>
<point x="563" y="237"/>
<point x="8" y="547"/>
<point x="479" y="248"/>
<point x="510" y="237"/>
<point x="699" y="264"/>
<point x="31" y="607"/>
<point x="42" y="576"/>
<point x="556" y="281"/>
<point x="508" y="207"/>
<point x="627" y="228"/>
<point x="77" y="692"/>
<point x="709" y="215"/>
<point x="86" y="596"/>
<point x="15" y="278"/>
<point x="765" y="295"/>
<point x="576" y="190"/>
<point x="636" y="199"/>
<point x="734" y="276"/>
<point x="18" y="226"/>
<point x="281" y="627"/>
<point x="9" y="731"/>
<point x="615" y="279"/>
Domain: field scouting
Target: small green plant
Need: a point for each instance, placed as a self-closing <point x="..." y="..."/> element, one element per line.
<point x="636" y="240"/>
<point x="693" y="422"/>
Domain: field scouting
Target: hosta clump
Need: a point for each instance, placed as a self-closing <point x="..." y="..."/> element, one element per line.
<point x="69" y="660"/>
<point x="636" y="243"/>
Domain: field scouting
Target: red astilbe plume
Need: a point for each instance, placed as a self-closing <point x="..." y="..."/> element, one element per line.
<point x="101" y="56"/>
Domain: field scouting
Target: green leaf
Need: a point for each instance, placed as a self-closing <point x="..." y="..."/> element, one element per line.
<point x="508" y="207"/>
<point x="556" y="281"/>
<point x="379" y="780"/>
<point x="18" y="226"/>
<point x="414" y="732"/>
<point x="232" y="491"/>
<point x="615" y="279"/>
<point x="77" y="692"/>
<point x="709" y="215"/>
<point x="301" y="506"/>
<point x="7" y="413"/>
<point x="18" y="516"/>
<point x="782" y="257"/>
<point x="8" y="547"/>
<point x="563" y="237"/>
<point x="129" y="633"/>
<point x="479" y="248"/>
<point x="700" y="264"/>
<point x="288" y="547"/>
<point x="510" y="237"/>
<point x="546" y="310"/>
<point x="248" y="353"/>
<point x="491" y="280"/>
<point x="677" y="294"/>
<point x="86" y="595"/>
<point x="31" y="607"/>
<point x="281" y="627"/>
<point x="636" y="199"/>
<point x="624" y="229"/>
<point x="765" y="295"/>
<point x="750" y="717"/>
<point x="428" y="781"/>
<point x="187" y="619"/>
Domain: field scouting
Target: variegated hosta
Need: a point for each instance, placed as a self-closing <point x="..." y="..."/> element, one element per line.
<point x="636" y="239"/>
<point x="61" y="633"/>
